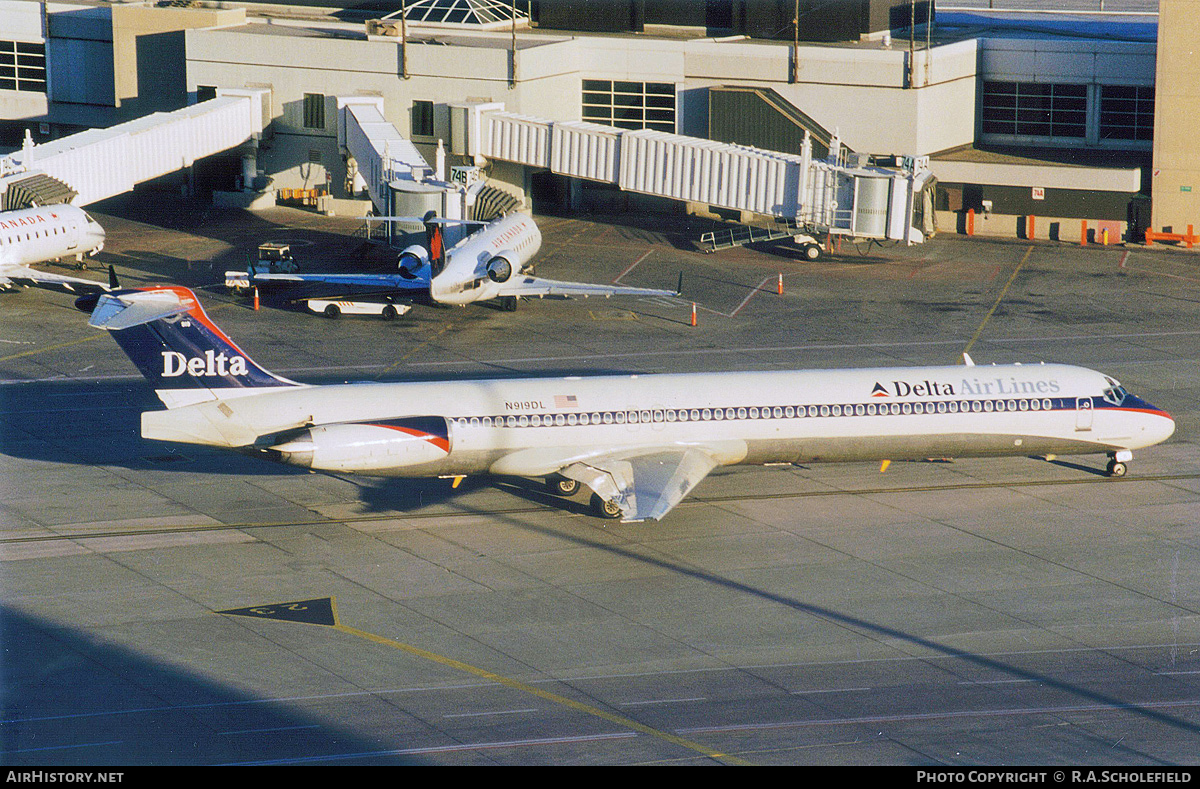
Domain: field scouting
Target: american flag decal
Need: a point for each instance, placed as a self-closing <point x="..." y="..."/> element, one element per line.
<point x="565" y="401"/>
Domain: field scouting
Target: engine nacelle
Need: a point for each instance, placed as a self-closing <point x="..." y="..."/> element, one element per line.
<point x="368" y="447"/>
<point x="412" y="260"/>
<point x="501" y="266"/>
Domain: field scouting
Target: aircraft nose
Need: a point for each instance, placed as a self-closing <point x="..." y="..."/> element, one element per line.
<point x="1160" y="426"/>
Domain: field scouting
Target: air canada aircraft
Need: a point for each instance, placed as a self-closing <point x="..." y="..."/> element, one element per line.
<point x="40" y="235"/>
<point x="640" y="442"/>
<point x="489" y="263"/>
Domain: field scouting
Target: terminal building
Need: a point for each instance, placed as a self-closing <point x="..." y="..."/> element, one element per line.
<point x="1064" y="116"/>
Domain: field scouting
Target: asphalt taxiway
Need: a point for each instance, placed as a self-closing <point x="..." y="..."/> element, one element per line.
<point x="169" y="604"/>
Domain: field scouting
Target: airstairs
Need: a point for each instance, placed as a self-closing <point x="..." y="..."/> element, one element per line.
<point x="741" y="235"/>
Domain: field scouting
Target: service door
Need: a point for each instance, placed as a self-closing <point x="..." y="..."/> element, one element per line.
<point x="1083" y="413"/>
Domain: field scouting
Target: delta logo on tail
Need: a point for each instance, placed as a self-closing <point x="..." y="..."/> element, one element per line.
<point x="210" y="364"/>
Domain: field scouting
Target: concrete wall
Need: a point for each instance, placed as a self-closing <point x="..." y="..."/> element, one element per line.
<point x="861" y="91"/>
<point x="1176" y="174"/>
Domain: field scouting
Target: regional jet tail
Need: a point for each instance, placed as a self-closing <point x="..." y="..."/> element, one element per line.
<point x="41" y="235"/>
<point x="491" y="263"/>
<point x="640" y="442"/>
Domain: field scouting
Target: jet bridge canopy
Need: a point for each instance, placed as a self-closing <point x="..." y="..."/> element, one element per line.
<point x="101" y="163"/>
<point x="827" y="196"/>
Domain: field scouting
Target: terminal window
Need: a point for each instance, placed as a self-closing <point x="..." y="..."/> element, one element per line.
<point x="22" y="66"/>
<point x="314" y="110"/>
<point x="1032" y="109"/>
<point x="422" y="118"/>
<point x="1126" y="112"/>
<point x="630" y="105"/>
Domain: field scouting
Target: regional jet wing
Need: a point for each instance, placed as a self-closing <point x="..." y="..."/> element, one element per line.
<point x="12" y="273"/>
<point x="378" y="282"/>
<point x="646" y="486"/>
<point x="524" y="285"/>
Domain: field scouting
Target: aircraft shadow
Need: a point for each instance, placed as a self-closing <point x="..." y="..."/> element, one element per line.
<point x="875" y="631"/>
<point x="73" y="699"/>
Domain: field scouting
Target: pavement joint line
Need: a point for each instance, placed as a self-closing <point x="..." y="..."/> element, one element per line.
<point x="691" y="501"/>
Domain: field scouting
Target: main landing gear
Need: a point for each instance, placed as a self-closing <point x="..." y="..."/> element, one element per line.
<point x="562" y="486"/>
<point x="559" y="485"/>
<point x="605" y="508"/>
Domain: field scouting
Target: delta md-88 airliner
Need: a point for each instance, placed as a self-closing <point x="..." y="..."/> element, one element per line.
<point x="640" y="442"/>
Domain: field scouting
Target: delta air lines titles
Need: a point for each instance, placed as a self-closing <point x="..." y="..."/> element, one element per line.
<point x="995" y="386"/>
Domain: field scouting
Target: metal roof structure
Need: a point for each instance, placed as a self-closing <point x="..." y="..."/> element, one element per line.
<point x="459" y="14"/>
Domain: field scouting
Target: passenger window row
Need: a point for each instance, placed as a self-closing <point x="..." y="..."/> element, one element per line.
<point x="659" y="415"/>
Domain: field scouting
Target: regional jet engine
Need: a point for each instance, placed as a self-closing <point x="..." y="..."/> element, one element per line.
<point x="377" y="447"/>
<point x="412" y="260"/>
<point x="502" y="265"/>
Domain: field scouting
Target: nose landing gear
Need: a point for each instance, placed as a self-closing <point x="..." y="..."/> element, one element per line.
<point x="1116" y="463"/>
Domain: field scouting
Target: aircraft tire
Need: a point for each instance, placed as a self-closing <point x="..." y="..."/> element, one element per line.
<point x="509" y="303"/>
<point x="332" y="312"/>
<point x="562" y="486"/>
<point x="1116" y="468"/>
<point x="605" y="508"/>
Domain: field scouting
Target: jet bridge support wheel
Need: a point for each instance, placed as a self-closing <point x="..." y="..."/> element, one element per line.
<point x="605" y="508"/>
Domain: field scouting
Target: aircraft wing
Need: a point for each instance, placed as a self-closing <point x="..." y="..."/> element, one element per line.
<point x="524" y="285"/>
<point x="645" y="486"/>
<point x="380" y="283"/>
<point x="10" y="274"/>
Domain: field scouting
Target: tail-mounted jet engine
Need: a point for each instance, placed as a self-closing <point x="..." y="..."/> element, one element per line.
<point x="412" y="260"/>
<point x="503" y="265"/>
<point x="377" y="447"/>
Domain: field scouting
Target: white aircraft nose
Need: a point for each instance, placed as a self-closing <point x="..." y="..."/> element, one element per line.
<point x="1157" y="424"/>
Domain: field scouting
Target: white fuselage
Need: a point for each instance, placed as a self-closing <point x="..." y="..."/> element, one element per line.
<point x="533" y="427"/>
<point x="38" y="235"/>
<point x="464" y="278"/>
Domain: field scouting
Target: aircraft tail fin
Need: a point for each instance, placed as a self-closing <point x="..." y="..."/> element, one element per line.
<point x="169" y="337"/>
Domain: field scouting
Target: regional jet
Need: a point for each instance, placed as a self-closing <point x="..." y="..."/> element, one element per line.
<point x="640" y="442"/>
<point x="492" y="262"/>
<point x="48" y="233"/>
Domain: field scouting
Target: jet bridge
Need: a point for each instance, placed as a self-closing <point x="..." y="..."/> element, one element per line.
<point x="100" y="163"/>
<point x="832" y="196"/>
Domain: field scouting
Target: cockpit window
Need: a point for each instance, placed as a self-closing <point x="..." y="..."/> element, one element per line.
<point x="1115" y="394"/>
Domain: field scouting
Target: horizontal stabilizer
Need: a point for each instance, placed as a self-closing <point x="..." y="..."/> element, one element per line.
<point x="116" y="311"/>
